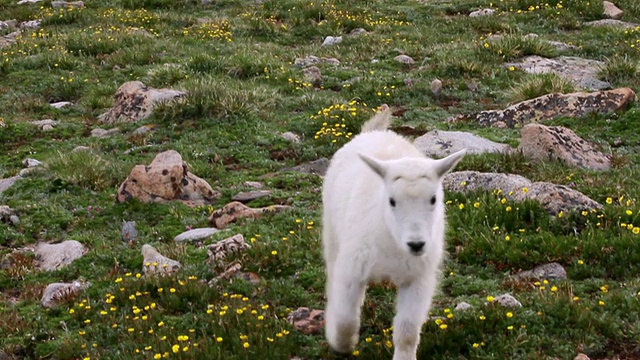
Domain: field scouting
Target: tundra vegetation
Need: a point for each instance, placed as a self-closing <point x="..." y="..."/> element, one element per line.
<point x="235" y="59"/>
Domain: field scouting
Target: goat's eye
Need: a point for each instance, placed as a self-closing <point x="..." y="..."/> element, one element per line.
<point x="433" y="200"/>
<point x="392" y="202"/>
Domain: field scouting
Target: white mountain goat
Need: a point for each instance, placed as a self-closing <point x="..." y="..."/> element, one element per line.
<point x="383" y="219"/>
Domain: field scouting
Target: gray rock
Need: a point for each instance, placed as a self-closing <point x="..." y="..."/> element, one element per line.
<point x="579" y="71"/>
<point x="313" y="75"/>
<point x="463" y="306"/>
<point x="14" y="220"/>
<point x="331" y="40"/>
<point x="554" y="198"/>
<point x="560" y="46"/>
<point x="253" y="184"/>
<point x="142" y="130"/>
<point x="26" y="171"/>
<point x="542" y="143"/>
<point x="67" y="4"/>
<point x="551" y="271"/>
<point x="8" y="24"/>
<point x="358" y="31"/>
<point x="6" y="213"/>
<point x="102" y="133"/>
<point x="613" y="23"/>
<point x="482" y="12"/>
<point x="247" y="196"/>
<point x="507" y="300"/>
<point x="307" y="61"/>
<point x="318" y="167"/>
<point x="42" y="123"/>
<point x="591" y="83"/>
<point x="8" y="182"/>
<point x="81" y="148"/>
<point x="439" y="143"/>
<point x="9" y="39"/>
<point x="405" y="59"/>
<point x="611" y="10"/>
<point x="153" y="263"/>
<point x="331" y="61"/>
<point x="294" y="138"/>
<point x="51" y="257"/>
<point x="28" y="162"/>
<point x="27" y="2"/>
<point x="307" y="321"/>
<point x="551" y="106"/>
<point x="31" y="24"/>
<point x="57" y="291"/>
<point x="196" y="234"/>
<point x="436" y="87"/>
<point x="129" y="231"/>
<point x="60" y="104"/>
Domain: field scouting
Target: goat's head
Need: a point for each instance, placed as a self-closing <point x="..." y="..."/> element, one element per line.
<point x="413" y="197"/>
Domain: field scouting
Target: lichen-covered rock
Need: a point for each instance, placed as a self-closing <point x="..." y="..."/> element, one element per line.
<point x="613" y="23"/>
<point x="439" y="143"/>
<point x="559" y="143"/>
<point x="57" y="291"/>
<point x="219" y="251"/>
<point x="135" y="101"/>
<point x="507" y="300"/>
<point x="554" y="198"/>
<point x="551" y="271"/>
<point x="611" y="10"/>
<point x="307" y="321"/>
<point x="155" y="263"/>
<point x="247" y="196"/>
<point x="581" y="72"/>
<point x="166" y="179"/>
<point x="51" y="257"/>
<point x="236" y="210"/>
<point x="552" y="106"/>
<point x="195" y="234"/>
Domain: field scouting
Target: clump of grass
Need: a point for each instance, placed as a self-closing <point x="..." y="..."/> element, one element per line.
<point x="511" y="47"/>
<point x="85" y="169"/>
<point x="619" y="69"/>
<point x="537" y="85"/>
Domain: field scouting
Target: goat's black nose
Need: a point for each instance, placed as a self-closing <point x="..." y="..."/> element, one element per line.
<point x="416" y="246"/>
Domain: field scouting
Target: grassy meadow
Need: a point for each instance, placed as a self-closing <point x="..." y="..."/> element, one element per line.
<point x="235" y="58"/>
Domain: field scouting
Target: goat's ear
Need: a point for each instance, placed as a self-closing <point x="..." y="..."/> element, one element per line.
<point x="376" y="165"/>
<point x="447" y="164"/>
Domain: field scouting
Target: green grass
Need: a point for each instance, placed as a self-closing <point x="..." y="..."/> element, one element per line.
<point x="235" y="59"/>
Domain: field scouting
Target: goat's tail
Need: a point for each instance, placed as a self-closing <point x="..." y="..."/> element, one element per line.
<point x="380" y="121"/>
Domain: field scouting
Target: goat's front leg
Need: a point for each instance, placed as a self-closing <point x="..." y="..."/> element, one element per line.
<point x="345" y="295"/>
<point x="412" y="309"/>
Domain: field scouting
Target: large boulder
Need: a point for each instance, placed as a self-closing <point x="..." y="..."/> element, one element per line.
<point x="166" y="179"/>
<point x="554" y="198"/>
<point x="559" y="143"/>
<point x="51" y="257"/>
<point x="134" y="101"/>
<point x="439" y="143"/>
<point x="553" y="106"/>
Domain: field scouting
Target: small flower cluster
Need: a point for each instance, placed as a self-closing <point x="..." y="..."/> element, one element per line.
<point x="340" y="121"/>
<point x="210" y="31"/>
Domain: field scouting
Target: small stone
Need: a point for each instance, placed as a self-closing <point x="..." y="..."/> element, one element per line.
<point x="551" y="271"/>
<point x="306" y="61"/>
<point x="14" y="220"/>
<point x="358" y="31"/>
<point x="581" y="356"/>
<point x="129" y="231"/>
<point x="463" y="306"/>
<point x="313" y="75"/>
<point x="26" y="171"/>
<point x="253" y="184"/>
<point x="331" y="61"/>
<point x="306" y="320"/>
<point x="195" y="234"/>
<point x="249" y="277"/>
<point x="436" y="87"/>
<point x="142" y="130"/>
<point x="331" y="40"/>
<point x="472" y="86"/>
<point x="507" y="300"/>
<point x="60" y="104"/>
<point x="611" y="10"/>
<point x="46" y="122"/>
<point x="613" y="23"/>
<point x="219" y="251"/>
<point x="405" y="59"/>
<point x="47" y="127"/>
<point x="27" y="2"/>
<point x="28" y="162"/>
<point x="294" y="138"/>
<point x="482" y="12"/>
<point x="31" y="24"/>
<point x="54" y="256"/>
<point x="247" y="196"/>
<point x="439" y="143"/>
<point x="231" y="271"/>
<point x="8" y="182"/>
<point x="102" y="133"/>
<point x="155" y="263"/>
<point x="58" y="291"/>
<point x="81" y="148"/>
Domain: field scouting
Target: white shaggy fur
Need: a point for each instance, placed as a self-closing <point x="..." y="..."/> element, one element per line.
<point x="383" y="219"/>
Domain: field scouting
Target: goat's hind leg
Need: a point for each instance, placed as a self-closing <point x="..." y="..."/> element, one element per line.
<point x="345" y="295"/>
<point x="412" y="309"/>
